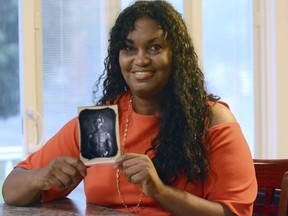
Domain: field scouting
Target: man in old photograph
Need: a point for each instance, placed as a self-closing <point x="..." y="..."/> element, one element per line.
<point x="99" y="142"/>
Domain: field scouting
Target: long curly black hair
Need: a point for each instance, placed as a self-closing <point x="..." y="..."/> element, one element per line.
<point x="179" y="146"/>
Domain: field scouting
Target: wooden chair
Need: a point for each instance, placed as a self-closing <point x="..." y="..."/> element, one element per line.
<point x="283" y="196"/>
<point x="271" y="176"/>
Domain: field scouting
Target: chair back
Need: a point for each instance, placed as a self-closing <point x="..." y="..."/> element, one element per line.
<point x="283" y="196"/>
<point x="269" y="174"/>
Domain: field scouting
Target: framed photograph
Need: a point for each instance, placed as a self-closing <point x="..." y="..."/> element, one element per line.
<point x="99" y="134"/>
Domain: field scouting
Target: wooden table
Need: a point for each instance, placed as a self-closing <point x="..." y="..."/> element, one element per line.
<point x="62" y="207"/>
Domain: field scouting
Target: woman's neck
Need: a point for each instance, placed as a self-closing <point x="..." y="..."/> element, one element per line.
<point x="145" y="106"/>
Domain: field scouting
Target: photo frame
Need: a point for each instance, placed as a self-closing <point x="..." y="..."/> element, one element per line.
<point x="98" y="134"/>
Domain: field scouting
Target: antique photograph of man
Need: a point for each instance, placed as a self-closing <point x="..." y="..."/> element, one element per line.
<point x="98" y="133"/>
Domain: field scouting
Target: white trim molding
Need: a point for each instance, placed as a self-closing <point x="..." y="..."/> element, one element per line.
<point x="270" y="60"/>
<point x="193" y="19"/>
<point x="281" y="17"/>
<point x="30" y="69"/>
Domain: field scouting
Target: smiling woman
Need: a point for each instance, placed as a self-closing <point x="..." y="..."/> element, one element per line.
<point x="145" y="61"/>
<point x="74" y="45"/>
<point x="177" y="140"/>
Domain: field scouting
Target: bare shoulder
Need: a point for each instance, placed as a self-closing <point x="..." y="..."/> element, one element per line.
<point x="220" y="114"/>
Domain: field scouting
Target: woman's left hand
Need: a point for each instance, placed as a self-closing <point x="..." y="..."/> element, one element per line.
<point x="139" y="169"/>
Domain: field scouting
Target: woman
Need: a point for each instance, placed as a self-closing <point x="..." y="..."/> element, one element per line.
<point x="180" y="145"/>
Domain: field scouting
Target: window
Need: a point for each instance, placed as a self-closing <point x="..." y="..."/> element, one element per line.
<point x="228" y="58"/>
<point x="10" y="118"/>
<point x="74" y="41"/>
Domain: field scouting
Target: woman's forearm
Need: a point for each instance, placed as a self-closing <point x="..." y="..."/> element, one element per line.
<point x="179" y="202"/>
<point x="23" y="187"/>
<point x="20" y="189"/>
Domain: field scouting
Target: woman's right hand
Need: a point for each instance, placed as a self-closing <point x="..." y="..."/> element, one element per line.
<point x="62" y="173"/>
<point x="23" y="187"/>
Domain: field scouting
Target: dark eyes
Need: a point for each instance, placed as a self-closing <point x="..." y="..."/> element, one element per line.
<point x="129" y="48"/>
<point x="154" y="48"/>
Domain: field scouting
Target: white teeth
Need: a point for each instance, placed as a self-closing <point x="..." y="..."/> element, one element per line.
<point x="141" y="72"/>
